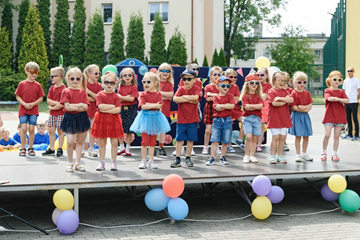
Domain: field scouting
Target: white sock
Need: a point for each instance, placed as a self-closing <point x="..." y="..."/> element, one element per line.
<point x="128" y="148"/>
<point x="121" y="147"/>
<point x="334" y="153"/>
<point x="324" y="151"/>
<point x="240" y="140"/>
<point x="304" y="153"/>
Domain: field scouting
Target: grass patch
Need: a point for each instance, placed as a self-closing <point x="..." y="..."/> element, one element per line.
<point x="43" y="107"/>
<point x="318" y="100"/>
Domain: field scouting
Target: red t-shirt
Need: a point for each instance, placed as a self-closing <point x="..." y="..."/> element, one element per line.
<point x="126" y="90"/>
<point x="301" y="98"/>
<point x="95" y="88"/>
<point x="55" y="94"/>
<point x="166" y="86"/>
<point x="210" y="88"/>
<point x="334" y="111"/>
<point x="187" y="112"/>
<point x="290" y="90"/>
<point x="29" y="92"/>
<point x="228" y="98"/>
<point x="74" y="96"/>
<point x="279" y="117"/>
<point x="234" y="90"/>
<point x="108" y="98"/>
<point x="266" y="87"/>
<point x="252" y="99"/>
<point x="149" y="97"/>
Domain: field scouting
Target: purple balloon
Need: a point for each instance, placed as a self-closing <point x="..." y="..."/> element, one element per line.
<point x="261" y="185"/>
<point x="276" y="194"/>
<point x="327" y="194"/>
<point x="67" y="222"/>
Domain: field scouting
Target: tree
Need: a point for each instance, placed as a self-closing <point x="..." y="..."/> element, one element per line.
<point x="33" y="46"/>
<point x="24" y="8"/>
<point x="177" y="53"/>
<point x="205" y="62"/>
<point x="135" y="42"/>
<point x="77" y="40"/>
<point x="221" y="58"/>
<point x="5" y="49"/>
<point x="293" y="53"/>
<point x="157" y="44"/>
<point x="116" y="50"/>
<point x="196" y="61"/>
<point x="7" y="22"/>
<point x="215" y="58"/>
<point x="95" y="41"/>
<point x="44" y="11"/>
<point x="61" y="40"/>
<point x="240" y="18"/>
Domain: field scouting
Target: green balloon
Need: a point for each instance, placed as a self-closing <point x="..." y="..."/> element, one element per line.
<point x="138" y="134"/>
<point x="349" y="200"/>
<point x="174" y="142"/>
<point x="109" y="68"/>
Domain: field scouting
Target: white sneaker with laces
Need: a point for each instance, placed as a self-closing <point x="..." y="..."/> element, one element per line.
<point x="253" y="159"/>
<point x="142" y="164"/>
<point x="151" y="164"/>
<point x="298" y="158"/>
<point x="205" y="151"/>
<point x="307" y="157"/>
<point x="246" y="159"/>
<point x="92" y="152"/>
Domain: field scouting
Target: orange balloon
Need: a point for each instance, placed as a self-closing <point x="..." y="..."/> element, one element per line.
<point x="173" y="185"/>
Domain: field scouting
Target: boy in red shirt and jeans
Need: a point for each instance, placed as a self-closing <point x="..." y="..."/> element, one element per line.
<point x="187" y="118"/>
<point x="29" y="94"/>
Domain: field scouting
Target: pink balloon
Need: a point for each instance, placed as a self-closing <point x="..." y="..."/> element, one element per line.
<point x="56" y="213"/>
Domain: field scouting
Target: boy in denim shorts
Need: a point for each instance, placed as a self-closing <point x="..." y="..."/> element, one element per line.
<point x="29" y="94"/>
<point x="186" y="129"/>
<point x="221" y="130"/>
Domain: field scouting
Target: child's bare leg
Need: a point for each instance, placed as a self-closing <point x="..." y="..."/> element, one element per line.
<point x="337" y="131"/>
<point x="80" y="138"/>
<point x="23" y="135"/>
<point x="260" y="139"/>
<point x="223" y="149"/>
<point x="70" y="145"/>
<point x="281" y="144"/>
<point x="253" y="145"/>
<point x="248" y="142"/>
<point x="61" y="137"/>
<point x="274" y="144"/>
<point x="52" y="137"/>
<point x="297" y="145"/>
<point x="179" y="145"/>
<point x="114" y="143"/>
<point x="327" y="136"/>
<point x="31" y="135"/>
<point x="305" y="144"/>
<point x="143" y="152"/>
<point x="214" y="146"/>
<point x="207" y="134"/>
<point x="102" y="148"/>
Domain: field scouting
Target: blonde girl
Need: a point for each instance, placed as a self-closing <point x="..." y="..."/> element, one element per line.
<point x="128" y="93"/>
<point x="150" y="121"/>
<point x="252" y="100"/>
<point x="107" y="121"/>
<point x="76" y="120"/>
<point x="210" y="91"/>
<point x="165" y="75"/>
<point x="335" y="115"/>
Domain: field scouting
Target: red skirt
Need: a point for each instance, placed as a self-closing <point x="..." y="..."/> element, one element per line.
<point x="265" y="112"/>
<point x="107" y="125"/>
<point x="208" y="115"/>
<point x="236" y="112"/>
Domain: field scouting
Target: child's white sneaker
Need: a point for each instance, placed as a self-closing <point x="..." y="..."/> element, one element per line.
<point x="142" y="164"/>
<point x="246" y="159"/>
<point x="151" y="164"/>
<point x="253" y="159"/>
<point x="205" y="151"/>
<point x="92" y="152"/>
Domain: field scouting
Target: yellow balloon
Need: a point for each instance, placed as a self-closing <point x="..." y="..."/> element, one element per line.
<point x="262" y="62"/>
<point x="261" y="207"/>
<point x="337" y="183"/>
<point x="63" y="200"/>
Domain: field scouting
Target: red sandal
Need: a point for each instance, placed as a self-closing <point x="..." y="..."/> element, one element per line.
<point x="31" y="152"/>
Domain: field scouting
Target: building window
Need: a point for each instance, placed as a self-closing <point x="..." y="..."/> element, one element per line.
<point x="252" y="55"/>
<point x="318" y="54"/>
<point x="162" y="8"/>
<point x="107" y="13"/>
<point x="266" y="53"/>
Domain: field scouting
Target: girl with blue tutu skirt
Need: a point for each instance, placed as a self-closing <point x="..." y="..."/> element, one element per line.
<point x="150" y="121"/>
<point x="76" y="120"/>
<point x="107" y="121"/>
<point x="301" y="122"/>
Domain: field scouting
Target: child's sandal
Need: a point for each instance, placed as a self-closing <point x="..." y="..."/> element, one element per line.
<point x="272" y="160"/>
<point x="281" y="159"/>
<point x="335" y="158"/>
<point x="323" y="157"/>
<point x="22" y="152"/>
<point x="31" y="152"/>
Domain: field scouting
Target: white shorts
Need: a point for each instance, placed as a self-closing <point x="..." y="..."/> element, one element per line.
<point x="277" y="131"/>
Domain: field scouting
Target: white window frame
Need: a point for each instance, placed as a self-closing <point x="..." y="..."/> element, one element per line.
<point x="266" y="53"/>
<point x="112" y="12"/>
<point x="160" y="10"/>
<point x="318" y="57"/>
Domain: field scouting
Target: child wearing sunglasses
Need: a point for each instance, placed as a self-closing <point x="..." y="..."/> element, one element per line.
<point x="301" y="122"/>
<point x="92" y="74"/>
<point x="211" y="91"/>
<point x="107" y="121"/>
<point x="335" y="114"/>
<point x="279" y="116"/>
<point x="150" y="121"/>
<point x="165" y="75"/>
<point x="56" y="111"/>
<point x="252" y="100"/>
<point x="29" y="94"/>
<point x="128" y="92"/>
<point x="76" y="120"/>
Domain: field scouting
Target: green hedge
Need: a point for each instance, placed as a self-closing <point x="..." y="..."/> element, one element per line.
<point x="8" y="84"/>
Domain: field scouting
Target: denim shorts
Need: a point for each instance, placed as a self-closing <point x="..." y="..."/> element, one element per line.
<point x="186" y="131"/>
<point x="221" y="130"/>
<point x="335" y="124"/>
<point x="252" y="125"/>
<point x="31" y="119"/>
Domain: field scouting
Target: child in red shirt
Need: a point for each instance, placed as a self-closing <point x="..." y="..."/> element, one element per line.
<point x="150" y="121"/>
<point x="224" y="103"/>
<point x="107" y="121"/>
<point x="56" y="111"/>
<point x="279" y="116"/>
<point x="29" y="94"/>
<point x="76" y="120"/>
<point x="186" y="128"/>
<point x="128" y="93"/>
<point x="335" y="115"/>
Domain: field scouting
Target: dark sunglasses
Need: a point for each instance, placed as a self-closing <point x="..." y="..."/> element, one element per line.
<point x="216" y="74"/>
<point x="224" y="85"/>
<point x="254" y="83"/>
<point x="33" y="72"/>
<point x="302" y="82"/>
<point x="146" y="82"/>
<point x="337" y="79"/>
<point x="195" y="69"/>
<point x="261" y="75"/>
<point x="52" y="76"/>
<point x="73" y="79"/>
<point x="231" y="76"/>
<point x="165" y="71"/>
<point x="109" y="83"/>
<point x="127" y="75"/>
<point x="97" y="73"/>
<point x="350" y="70"/>
<point x="187" y="79"/>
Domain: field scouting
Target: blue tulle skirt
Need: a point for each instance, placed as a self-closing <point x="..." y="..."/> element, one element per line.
<point x="301" y="124"/>
<point x="150" y="122"/>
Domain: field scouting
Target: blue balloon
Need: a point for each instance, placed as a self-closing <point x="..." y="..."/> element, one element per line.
<point x="143" y="70"/>
<point x="156" y="199"/>
<point x="178" y="208"/>
<point x="327" y="194"/>
<point x="67" y="222"/>
<point x="276" y="69"/>
<point x="276" y="194"/>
